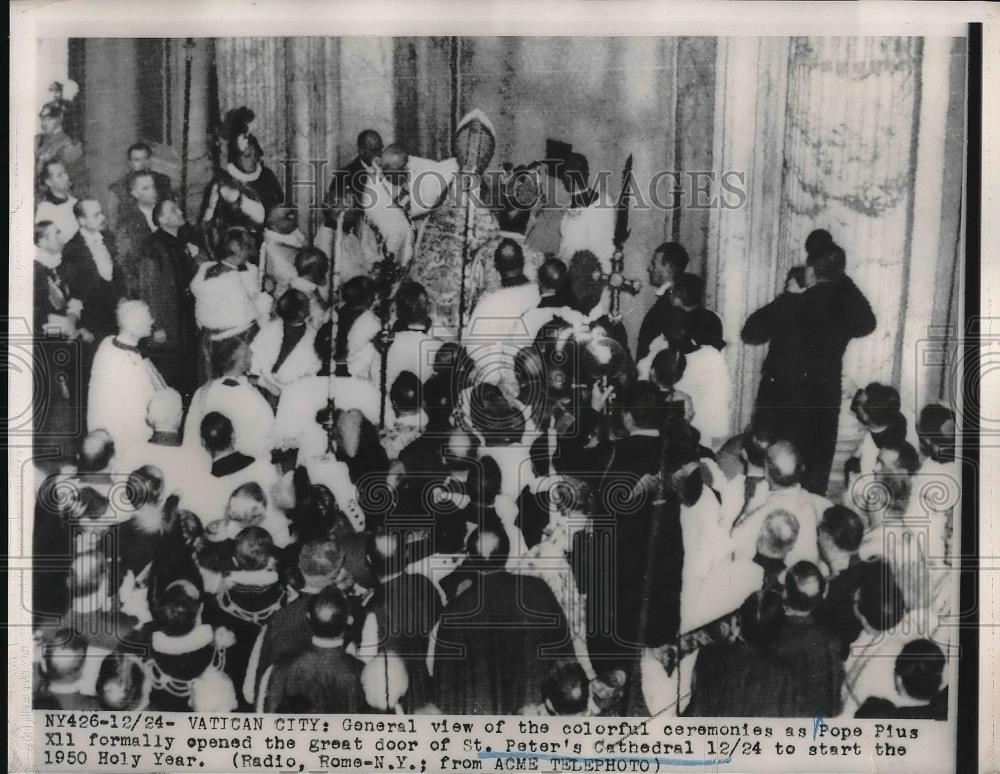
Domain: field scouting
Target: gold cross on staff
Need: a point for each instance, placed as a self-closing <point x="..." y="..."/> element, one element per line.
<point x="617" y="283"/>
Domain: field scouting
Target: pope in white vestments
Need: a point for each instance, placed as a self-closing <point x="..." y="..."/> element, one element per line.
<point x="122" y="379"/>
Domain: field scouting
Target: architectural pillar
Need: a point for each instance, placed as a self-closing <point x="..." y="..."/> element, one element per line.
<point x="750" y="101"/>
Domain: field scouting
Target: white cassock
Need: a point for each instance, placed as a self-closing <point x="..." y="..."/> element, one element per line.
<point x="208" y="496"/>
<point x="295" y="425"/>
<point x="495" y="331"/>
<point x="731" y="583"/>
<point x="121" y="383"/>
<point x="533" y="320"/>
<point x="363" y="359"/>
<point x="706" y="379"/>
<point x="806" y="507"/>
<point x="412" y="351"/>
<point x="243" y="405"/>
<point x="301" y="362"/>
<point x="429" y="182"/>
<point x="277" y="257"/>
<point x="229" y="303"/>
<point x="589" y="228"/>
<point x="180" y="465"/>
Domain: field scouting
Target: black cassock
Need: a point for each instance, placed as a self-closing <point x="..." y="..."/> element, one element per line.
<point x="496" y="643"/>
<point x="629" y="566"/>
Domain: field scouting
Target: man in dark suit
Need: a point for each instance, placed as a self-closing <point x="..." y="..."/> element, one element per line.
<point x="135" y="220"/>
<point x="833" y="312"/>
<point x="403" y="612"/>
<point x="287" y="633"/>
<point x="140" y="157"/>
<point x="348" y="183"/>
<point x="90" y="270"/>
<point x="499" y="637"/>
<point x="325" y="676"/>
<point x="159" y="274"/>
<point x="669" y="261"/>
<point x="839" y="537"/>
<point x="794" y="671"/>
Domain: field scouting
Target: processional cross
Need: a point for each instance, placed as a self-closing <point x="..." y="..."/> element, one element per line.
<point x="616" y="281"/>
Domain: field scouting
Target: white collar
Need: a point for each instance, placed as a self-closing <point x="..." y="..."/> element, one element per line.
<point x="294" y="239"/>
<point x="92" y="236"/>
<point x="789" y="491"/>
<point x="415" y="421"/>
<point x="645" y="432"/>
<point x="244" y="177"/>
<point x="196" y="639"/>
<point x="47" y="259"/>
<point x="324" y="642"/>
<point x="253" y="577"/>
<point x="98" y="602"/>
<point x="64" y="688"/>
<point x="664" y="288"/>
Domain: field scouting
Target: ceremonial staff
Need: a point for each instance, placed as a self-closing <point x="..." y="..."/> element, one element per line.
<point x="466" y="249"/>
<point x="332" y="287"/>
<point x="616" y="280"/>
<point x="186" y="131"/>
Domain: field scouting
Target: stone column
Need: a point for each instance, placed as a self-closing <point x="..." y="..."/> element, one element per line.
<point x="750" y="102"/>
<point x="110" y="124"/>
<point x="931" y="262"/>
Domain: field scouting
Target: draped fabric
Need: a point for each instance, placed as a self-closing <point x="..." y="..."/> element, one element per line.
<point x="855" y="177"/>
<point x="426" y="72"/>
<point x="253" y="72"/>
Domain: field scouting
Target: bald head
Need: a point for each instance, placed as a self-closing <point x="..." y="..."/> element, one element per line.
<point x="509" y="258"/>
<point x="778" y="535"/>
<point x="783" y="465"/>
<point x="804" y="587"/>
<point x="165" y="411"/>
<point x="462" y="447"/>
<point x="394" y="158"/>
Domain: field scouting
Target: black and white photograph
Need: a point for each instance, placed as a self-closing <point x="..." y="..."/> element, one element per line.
<point x="616" y="384"/>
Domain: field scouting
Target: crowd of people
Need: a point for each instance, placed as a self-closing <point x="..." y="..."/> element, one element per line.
<point x="414" y="465"/>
